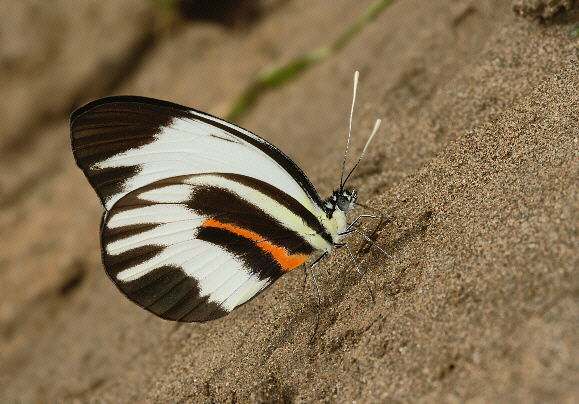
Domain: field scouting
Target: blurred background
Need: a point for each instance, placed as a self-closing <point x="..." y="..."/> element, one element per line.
<point x="283" y="69"/>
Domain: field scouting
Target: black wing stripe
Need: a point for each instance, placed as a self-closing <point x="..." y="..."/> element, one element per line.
<point x="119" y="233"/>
<point x="129" y="99"/>
<point x="167" y="301"/>
<point x="161" y="287"/>
<point x="109" y="181"/>
<point x="184" y="300"/>
<point x="204" y="311"/>
<point x="234" y="210"/>
<point x="94" y="139"/>
<point x="280" y="197"/>
<point x="115" y="264"/>
<point x="169" y="293"/>
<point x="145" y="287"/>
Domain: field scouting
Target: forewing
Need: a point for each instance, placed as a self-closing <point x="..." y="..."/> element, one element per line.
<point x="125" y="143"/>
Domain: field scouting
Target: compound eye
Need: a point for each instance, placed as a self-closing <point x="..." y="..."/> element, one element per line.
<point x="343" y="203"/>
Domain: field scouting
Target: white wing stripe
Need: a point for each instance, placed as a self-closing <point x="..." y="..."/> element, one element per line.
<point x="208" y="261"/>
<point x="244" y="292"/>
<point x="162" y="235"/>
<point x="230" y="270"/>
<point x="229" y="293"/>
<point x="151" y="214"/>
<point x="165" y="257"/>
<point x="178" y="193"/>
<point x="175" y="148"/>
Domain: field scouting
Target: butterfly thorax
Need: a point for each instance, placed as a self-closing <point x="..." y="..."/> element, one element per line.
<point x="335" y="208"/>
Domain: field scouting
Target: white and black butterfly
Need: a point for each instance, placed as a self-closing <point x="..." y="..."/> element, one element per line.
<point x="200" y="215"/>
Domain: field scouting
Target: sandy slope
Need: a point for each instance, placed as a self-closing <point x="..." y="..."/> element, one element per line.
<point x="478" y="159"/>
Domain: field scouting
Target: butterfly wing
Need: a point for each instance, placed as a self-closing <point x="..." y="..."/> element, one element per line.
<point x="192" y="248"/>
<point x="196" y="222"/>
<point x="123" y="143"/>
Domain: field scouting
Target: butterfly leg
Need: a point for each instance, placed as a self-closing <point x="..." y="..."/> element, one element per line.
<point x="360" y="272"/>
<point x="305" y="278"/>
<point x="366" y="216"/>
<point x="350" y="231"/>
<point x="316" y="262"/>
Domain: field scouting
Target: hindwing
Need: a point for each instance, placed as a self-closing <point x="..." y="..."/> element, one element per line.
<point x="176" y="252"/>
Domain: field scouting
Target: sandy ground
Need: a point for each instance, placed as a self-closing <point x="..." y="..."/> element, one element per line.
<point x="477" y="159"/>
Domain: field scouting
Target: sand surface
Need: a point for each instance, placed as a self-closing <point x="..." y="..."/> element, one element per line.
<point x="477" y="159"/>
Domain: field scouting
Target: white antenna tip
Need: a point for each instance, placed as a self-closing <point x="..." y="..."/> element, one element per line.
<point x="376" y="126"/>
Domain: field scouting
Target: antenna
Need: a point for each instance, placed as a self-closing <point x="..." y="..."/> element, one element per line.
<point x="356" y="75"/>
<point x="376" y="126"/>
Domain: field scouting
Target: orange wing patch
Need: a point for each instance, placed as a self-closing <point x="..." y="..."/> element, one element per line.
<point x="287" y="261"/>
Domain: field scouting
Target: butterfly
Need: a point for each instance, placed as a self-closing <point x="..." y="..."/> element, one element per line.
<point x="201" y="216"/>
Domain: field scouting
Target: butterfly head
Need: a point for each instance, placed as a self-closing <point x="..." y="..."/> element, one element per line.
<point x="341" y="199"/>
